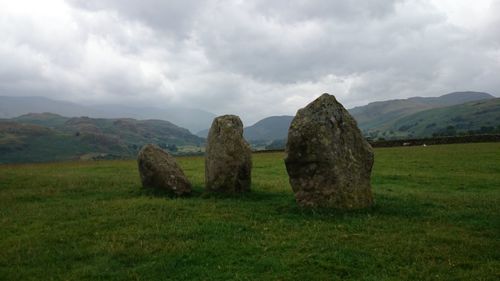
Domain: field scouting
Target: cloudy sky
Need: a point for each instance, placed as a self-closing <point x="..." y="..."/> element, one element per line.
<point x="252" y="58"/>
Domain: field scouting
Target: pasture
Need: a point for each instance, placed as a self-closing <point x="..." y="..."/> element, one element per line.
<point x="437" y="217"/>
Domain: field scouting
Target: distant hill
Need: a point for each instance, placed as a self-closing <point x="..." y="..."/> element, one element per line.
<point x="267" y="129"/>
<point x="270" y="128"/>
<point x="203" y="133"/>
<point x="49" y="137"/>
<point x="15" y="106"/>
<point x="192" y="119"/>
<point x="480" y="117"/>
<point x="384" y="119"/>
<point x="380" y="116"/>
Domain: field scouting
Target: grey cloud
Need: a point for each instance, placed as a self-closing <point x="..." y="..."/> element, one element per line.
<point x="325" y="9"/>
<point x="271" y="50"/>
<point x="252" y="58"/>
<point x="174" y="17"/>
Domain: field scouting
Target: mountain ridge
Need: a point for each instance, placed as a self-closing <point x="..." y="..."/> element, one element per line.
<point x="378" y="117"/>
<point x="474" y="117"/>
<point x="270" y="128"/>
<point x="190" y="118"/>
<point x="40" y="137"/>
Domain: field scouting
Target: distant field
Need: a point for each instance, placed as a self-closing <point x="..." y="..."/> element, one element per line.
<point x="437" y="217"/>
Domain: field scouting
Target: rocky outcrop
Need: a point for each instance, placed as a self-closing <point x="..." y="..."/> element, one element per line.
<point x="328" y="160"/>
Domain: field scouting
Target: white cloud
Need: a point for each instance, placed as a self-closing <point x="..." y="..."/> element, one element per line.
<point x="464" y="13"/>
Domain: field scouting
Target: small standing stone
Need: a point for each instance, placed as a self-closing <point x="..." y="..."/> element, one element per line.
<point x="228" y="160"/>
<point x="327" y="158"/>
<point x="159" y="170"/>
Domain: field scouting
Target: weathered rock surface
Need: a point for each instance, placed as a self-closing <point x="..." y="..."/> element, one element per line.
<point x="228" y="160"/>
<point x="328" y="160"/>
<point x="159" y="170"/>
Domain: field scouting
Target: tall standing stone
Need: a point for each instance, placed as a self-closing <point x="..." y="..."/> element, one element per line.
<point x="328" y="160"/>
<point x="159" y="170"/>
<point x="228" y="160"/>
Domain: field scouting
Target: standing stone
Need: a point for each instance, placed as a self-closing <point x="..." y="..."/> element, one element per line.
<point x="228" y="160"/>
<point x="160" y="171"/>
<point x="328" y="160"/>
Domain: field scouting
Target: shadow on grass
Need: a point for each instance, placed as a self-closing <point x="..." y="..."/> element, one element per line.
<point x="249" y="196"/>
<point x="283" y="203"/>
<point x="161" y="193"/>
<point x="388" y="206"/>
<point x="199" y="191"/>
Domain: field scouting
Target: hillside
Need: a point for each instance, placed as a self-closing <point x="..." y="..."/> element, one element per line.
<point x="192" y="119"/>
<point x="265" y="130"/>
<point x="389" y="119"/>
<point x="380" y="116"/>
<point x="473" y="117"/>
<point x="50" y="137"/>
<point x="203" y="133"/>
<point x="271" y="128"/>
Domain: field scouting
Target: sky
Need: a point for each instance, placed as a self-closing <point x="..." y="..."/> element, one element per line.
<point x="253" y="58"/>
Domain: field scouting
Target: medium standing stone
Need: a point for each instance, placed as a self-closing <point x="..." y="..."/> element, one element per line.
<point x="159" y="170"/>
<point x="228" y="160"/>
<point x="328" y="160"/>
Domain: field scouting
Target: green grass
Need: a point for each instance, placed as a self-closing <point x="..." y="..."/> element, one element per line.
<point x="437" y="217"/>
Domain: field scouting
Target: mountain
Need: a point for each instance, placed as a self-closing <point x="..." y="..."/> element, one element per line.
<point x="270" y="128"/>
<point x="49" y="120"/>
<point x="39" y="137"/>
<point x="472" y="117"/>
<point x="454" y="98"/>
<point x="15" y="106"/>
<point x="384" y="119"/>
<point x="50" y="137"/>
<point x="267" y="129"/>
<point x="192" y="119"/>
<point x="203" y="133"/>
<point x="380" y="116"/>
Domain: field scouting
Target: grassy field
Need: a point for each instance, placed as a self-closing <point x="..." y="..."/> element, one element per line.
<point x="437" y="217"/>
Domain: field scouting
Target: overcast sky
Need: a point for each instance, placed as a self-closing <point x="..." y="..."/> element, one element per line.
<point x="251" y="58"/>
